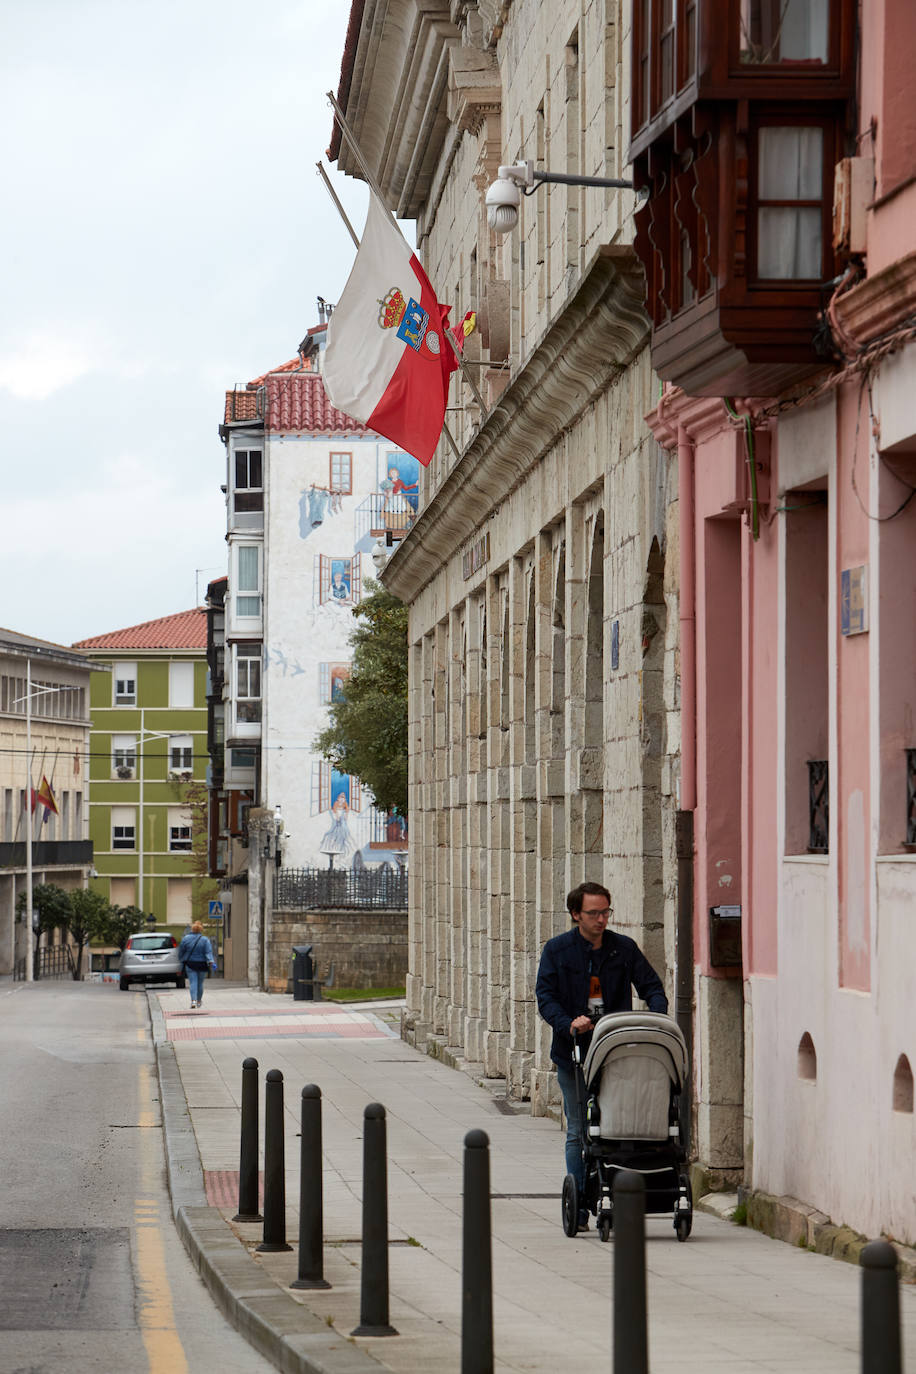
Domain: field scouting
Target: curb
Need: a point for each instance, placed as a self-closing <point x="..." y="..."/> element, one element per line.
<point x="281" y="1329"/>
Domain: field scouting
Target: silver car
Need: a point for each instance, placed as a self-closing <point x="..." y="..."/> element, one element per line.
<point x="151" y="956"/>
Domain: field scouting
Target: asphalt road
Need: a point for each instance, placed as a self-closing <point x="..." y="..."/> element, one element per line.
<point x="92" y="1274"/>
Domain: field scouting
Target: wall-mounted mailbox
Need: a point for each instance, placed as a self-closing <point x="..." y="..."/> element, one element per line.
<point x="725" y="936"/>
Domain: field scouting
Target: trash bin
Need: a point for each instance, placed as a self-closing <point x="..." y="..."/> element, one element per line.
<point x="303" y="974"/>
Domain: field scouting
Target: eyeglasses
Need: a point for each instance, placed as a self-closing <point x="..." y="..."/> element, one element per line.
<point x="601" y="911"/>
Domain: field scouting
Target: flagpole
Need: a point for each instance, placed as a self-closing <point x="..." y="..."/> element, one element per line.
<point x="352" y="232"/>
<point x="377" y="191"/>
<point x="340" y="210"/>
<point x="29" y="972"/>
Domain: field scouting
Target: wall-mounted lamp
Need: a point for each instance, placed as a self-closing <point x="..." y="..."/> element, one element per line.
<point x="505" y="195"/>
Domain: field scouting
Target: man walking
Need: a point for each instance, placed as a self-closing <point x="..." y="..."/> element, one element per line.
<point x="585" y="973"/>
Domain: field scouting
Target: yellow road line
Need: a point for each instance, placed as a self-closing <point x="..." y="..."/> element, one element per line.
<point x="156" y="1315"/>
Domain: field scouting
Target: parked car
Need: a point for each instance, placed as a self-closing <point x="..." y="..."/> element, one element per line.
<point x="151" y="956"/>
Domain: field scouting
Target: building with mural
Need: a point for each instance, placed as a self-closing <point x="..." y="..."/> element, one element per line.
<point x="310" y="494"/>
<point x="44" y="738"/>
<point x="148" y="763"/>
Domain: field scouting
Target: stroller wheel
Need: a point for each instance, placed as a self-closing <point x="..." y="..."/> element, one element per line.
<point x="682" y="1224"/>
<point x="570" y="1205"/>
<point x="605" y="1225"/>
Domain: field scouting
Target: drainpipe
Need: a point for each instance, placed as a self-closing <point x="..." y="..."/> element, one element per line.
<point x="688" y="800"/>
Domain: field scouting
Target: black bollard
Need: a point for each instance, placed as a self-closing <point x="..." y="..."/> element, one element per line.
<point x="631" y="1338"/>
<point x="477" y="1264"/>
<point x="274" y="1166"/>
<point x="311" y="1208"/>
<point x="373" y="1299"/>
<point x="248" y="1151"/>
<point x="881" y="1346"/>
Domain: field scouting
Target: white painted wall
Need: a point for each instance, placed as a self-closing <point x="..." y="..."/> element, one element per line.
<point x="300" y="634"/>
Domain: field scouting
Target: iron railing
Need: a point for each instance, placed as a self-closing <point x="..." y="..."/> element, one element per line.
<point x="818" y="806"/>
<point x="303" y="889"/>
<point x="55" y="962"/>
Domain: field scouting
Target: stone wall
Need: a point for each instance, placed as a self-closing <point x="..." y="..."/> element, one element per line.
<point x="367" y="948"/>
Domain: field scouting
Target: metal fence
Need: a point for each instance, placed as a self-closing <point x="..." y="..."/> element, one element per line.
<point x="56" y="962"/>
<point x="303" y="889"/>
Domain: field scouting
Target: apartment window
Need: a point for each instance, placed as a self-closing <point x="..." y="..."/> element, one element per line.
<point x="790" y="202"/>
<point x="248" y="682"/>
<point x="7" y="814"/>
<point x="179" y="830"/>
<point x="242" y="758"/>
<point x="332" y="680"/>
<point x="123" y="827"/>
<point x="181" y="685"/>
<point x="784" y="31"/>
<point x="807" y="703"/>
<point x="65" y="815"/>
<point x="125" y="684"/>
<point x="123" y="755"/>
<point x="248" y="493"/>
<point x="181" y="754"/>
<point x="341" y="476"/>
<point x="248" y="580"/>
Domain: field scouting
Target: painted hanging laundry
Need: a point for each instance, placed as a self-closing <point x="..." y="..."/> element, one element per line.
<point x="387" y="361"/>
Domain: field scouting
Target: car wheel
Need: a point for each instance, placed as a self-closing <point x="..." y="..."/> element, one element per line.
<point x="123" y="983"/>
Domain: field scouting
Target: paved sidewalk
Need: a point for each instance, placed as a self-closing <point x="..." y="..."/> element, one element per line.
<point x="728" y="1299"/>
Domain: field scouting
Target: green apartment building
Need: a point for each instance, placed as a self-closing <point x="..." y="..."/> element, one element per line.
<point x="148" y="766"/>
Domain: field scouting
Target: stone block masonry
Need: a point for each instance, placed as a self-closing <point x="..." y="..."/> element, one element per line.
<point x="368" y="949"/>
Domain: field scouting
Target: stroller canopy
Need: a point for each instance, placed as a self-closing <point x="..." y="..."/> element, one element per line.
<point x="634" y="1063"/>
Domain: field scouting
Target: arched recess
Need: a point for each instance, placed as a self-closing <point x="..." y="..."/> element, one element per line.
<point x="592" y="773"/>
<point x="558" y="660"/>
<point x="653" y="739"/>
<point x="807" y="1059"/>
<point x="903" y="1085"/>
<point x="530" y="669"/>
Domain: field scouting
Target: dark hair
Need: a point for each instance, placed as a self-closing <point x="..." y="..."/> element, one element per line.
<point x="574" y="900"/>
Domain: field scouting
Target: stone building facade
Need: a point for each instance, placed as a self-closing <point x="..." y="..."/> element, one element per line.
<point x="543" y="612"/>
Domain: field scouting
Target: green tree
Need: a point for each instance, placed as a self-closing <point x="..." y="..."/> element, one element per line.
<point x="367" y="731"/>
<point x="119" y="924"/>
<point x="51" y="907"/>
<point x="88" y="922"/>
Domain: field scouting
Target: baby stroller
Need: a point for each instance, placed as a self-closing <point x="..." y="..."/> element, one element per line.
<point x="631" y="1092"/>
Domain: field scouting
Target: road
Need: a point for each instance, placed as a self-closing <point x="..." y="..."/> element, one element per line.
<point x="92" y="1274"/>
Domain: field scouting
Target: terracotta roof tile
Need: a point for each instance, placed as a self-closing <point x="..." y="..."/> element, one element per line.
<point x="300" y="402"/>
<point x="185" y="630"/>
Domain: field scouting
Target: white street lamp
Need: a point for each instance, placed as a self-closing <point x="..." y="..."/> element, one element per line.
<point x="504" y="196"/>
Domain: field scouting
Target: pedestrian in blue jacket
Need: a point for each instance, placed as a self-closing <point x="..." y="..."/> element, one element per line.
<point x="196" y="955"/>
<point x="585" y="973"/>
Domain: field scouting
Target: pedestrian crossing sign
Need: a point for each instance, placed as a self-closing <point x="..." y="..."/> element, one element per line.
<point x="215" y="911"/>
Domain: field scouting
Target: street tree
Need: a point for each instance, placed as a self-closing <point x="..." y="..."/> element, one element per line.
<point x="51" y="908"/>
<point x="367" y="731"/>
<point x="88" y="922"/>
<point x="119" y="924"/>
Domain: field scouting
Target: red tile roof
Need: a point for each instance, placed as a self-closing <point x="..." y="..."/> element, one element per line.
<point x="185" y="630"/>
<point x="300" y="402"/>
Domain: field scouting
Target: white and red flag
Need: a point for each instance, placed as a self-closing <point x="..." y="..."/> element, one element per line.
<point x="387" y="362"/>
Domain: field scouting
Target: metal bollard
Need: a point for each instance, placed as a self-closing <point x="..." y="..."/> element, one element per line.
<point x="881" y="1345"/>
<point x="477" y="1264"/>
<point x="631" y="1339"/>
<point x="248" y="1150"/>
<point x="274" y="1166"/>
<point x="311" y="1208"/>
<point x="373" y="1300"/>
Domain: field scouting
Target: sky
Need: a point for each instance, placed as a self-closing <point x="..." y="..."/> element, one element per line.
<point x="164" y="237"/>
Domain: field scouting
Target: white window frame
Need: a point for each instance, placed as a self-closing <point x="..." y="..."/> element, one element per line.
<point x="124" y="828"/>
<point x="181" y="753"/>
<point x="179" y="830"/>
<point x="244" y="658"/>
<point x="181" y="685"/>
<point x="250" y="595"/>
<point x="123" y="754"/>
<point x="124" y="684"/>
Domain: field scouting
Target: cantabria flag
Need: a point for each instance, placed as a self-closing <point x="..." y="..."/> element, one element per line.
<point x="387" y="362"/>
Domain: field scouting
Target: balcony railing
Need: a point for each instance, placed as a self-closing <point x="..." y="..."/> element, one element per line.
<point x="47" y="854"/>
<point x="309" y="889"/>
<point x="818" y="806"/>
<point x="374" y="516"/>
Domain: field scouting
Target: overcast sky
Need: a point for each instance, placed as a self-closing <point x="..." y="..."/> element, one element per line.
<point x="164" y="236"/>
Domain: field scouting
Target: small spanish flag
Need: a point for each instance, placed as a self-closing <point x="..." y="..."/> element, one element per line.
<point x="44" y="797"/>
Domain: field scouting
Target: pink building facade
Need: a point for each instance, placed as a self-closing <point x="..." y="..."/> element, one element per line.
<point x="798" y="677"/>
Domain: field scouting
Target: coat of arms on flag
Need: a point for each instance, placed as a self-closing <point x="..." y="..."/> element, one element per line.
<point x="393" y="378"/>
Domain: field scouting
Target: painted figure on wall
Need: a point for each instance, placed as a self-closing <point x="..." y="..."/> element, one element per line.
<point x="401" y="488"/>
<point x="340" y="579"/>
<point x="337" y="841"/>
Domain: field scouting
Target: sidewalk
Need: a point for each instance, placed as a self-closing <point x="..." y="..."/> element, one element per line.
<point x="728" y="1299"/>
